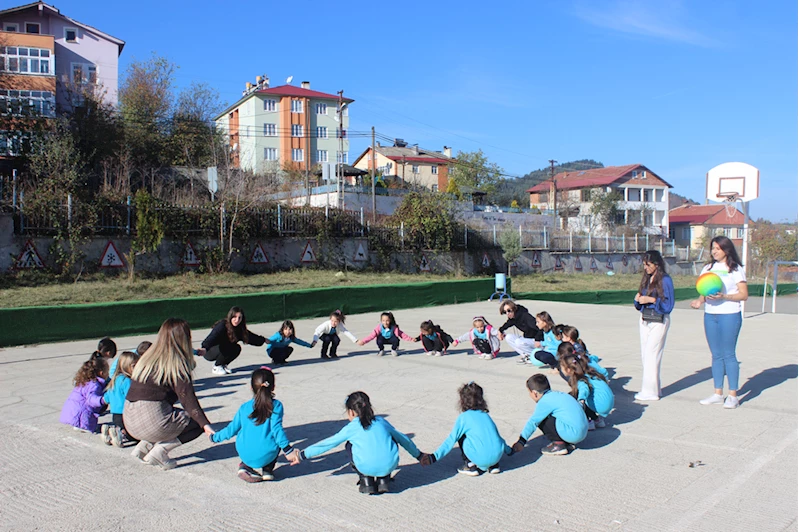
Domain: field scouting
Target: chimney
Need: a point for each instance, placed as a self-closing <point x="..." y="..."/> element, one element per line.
<point x="306" y="85"/>
<point x="266" y="81"/>
<point x="258" y="80"/>
<point x="416" y="149"/>
<point x="448" y="151"/>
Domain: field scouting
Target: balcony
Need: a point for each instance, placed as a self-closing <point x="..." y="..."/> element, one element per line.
<point x="11" y="38"/>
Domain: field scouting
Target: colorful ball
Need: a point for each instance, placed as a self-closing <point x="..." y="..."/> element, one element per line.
<point x="709" y="284"/>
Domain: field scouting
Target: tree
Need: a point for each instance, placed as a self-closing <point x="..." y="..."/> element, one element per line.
<point x="511" y="246"/>
<point x="771" y="242"/>
<point x="473" y="170"/>
<point x="452" y="188"/>
<point x="194" y="137"/>
<point x="604" y="208"/>
<point x="149" y="230"/>
<point x="428" y="219"/>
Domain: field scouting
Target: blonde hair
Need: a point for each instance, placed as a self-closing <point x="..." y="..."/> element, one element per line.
<point x="127" y="361"/>
<point x="170" y="359"/>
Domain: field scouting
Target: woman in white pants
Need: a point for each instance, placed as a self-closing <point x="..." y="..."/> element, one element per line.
<point x="655" y="301"/>
<point x="530" y="339"/>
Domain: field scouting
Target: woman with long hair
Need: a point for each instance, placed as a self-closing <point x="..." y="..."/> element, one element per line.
<point x="162" y="377"/>
<point x="723" y="319"/>
<point x="222" y="343"/>
<point x="655" y="301"/>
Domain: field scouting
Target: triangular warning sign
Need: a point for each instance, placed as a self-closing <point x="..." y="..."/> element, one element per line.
<point x="259" y="255"/>
<point x="29" y="259"/>
<point x="486" y="261"/>
<point x="594" y="267"/>
<point x="624" y="260"/>
<point x="307" y="254"/>
<point x="536" y="260"/>
<point x="558" y="263"/>
<point x="578" y="265"/>
<point x="189" y="256"/>
<point x="609" y="264"/>
<point x="360" y="253"/>
<point x="424" y="264"/>
<point x="111" y="258"/>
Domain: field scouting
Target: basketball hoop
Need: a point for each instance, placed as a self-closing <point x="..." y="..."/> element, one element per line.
<point x="730" y="203"/>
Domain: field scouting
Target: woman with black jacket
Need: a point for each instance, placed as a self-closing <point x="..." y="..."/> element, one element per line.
<point x="520" y="317"/>
<point x="222" y="344"/>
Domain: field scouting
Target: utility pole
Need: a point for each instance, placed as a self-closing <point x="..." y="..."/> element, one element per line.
<point x="340" y="166"/>
<point x="553" y="191"/>
<point x="374" y="164"/>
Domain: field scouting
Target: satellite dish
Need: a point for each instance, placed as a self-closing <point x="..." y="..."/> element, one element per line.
<point x="288" y="80"/>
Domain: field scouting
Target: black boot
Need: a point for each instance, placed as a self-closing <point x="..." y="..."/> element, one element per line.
<point x="367" y="485"/>
<point x="383" y="484"/>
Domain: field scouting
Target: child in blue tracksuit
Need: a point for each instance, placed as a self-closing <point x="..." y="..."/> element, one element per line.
<point x="572" y="336"/>
<point x="278" y="344"/>
<point x="258" y="428"/>
<point x="114" y="396"/>
<point x="559" y="416"/>
<point x="371" y="442"/>
<point x="476" y="434"/>
<point x="590" y="388"/>
<point x="546" y="353"/>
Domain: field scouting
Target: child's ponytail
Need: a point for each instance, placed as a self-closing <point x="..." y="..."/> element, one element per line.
<point x="263" y="387"/>
<point x="90" y="370"/>
<point x="105" y="348"/>
<point x="359" y="403"/>
<point x="339" y="315"/>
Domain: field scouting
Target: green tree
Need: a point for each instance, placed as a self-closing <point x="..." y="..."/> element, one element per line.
<point x="150" y="230"/>
<point x="428" y="219"/>
<point x="770" y="242"/>
<point x="452" y="188"/>
<point x="604" y="208"/>
<point x="474" y="170"/>
<point x="511" y="245"/>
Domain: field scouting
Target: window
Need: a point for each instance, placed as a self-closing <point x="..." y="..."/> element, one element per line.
<point x="71" y="34"/>
<point x="12" y="27"/>
<point x="270" y="154"/>
<point x="25" y="60"/>
<point x="342" y="157"/>
<point x="686" y="233"/>
<point x="659" y="194"/>
<point x="296" y="130"/>
<point x="270" y="105"/>
<point x="434" y="188"/>
<point x="296" y="106"/>
<point x="633" y="194"/>
<point x="31" y="27"/>
<point x="24" y="102"/>
<point x="635" y="174"/>
<point x="321" y="156"/>
<point x="321" y="132"/>
<point x="415" y="168"/>
<point x="270" y="130"/>
<point x="647" y="195"/>
<point x="321" y="108"/>
<point x="83" y="74"/>
<point x="643" y="174"/>
<point x="543" y="197"/>
<point x="434" y="169"/>
<point x="585" y="195"/>
<point x="297" y="155"/>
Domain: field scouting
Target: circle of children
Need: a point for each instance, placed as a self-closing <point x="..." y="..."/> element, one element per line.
<point x="140" y="390"/>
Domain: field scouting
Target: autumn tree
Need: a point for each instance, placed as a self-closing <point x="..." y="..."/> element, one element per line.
<point x="474" y="170"/>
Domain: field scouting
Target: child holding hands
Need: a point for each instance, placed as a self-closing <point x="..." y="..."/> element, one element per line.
<point x="483" y="337"/>
<point x="388" y="332"/>
<point x="84" y="404"/>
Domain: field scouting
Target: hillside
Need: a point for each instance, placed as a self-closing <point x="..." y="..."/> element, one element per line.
<point x="510" y="189"/>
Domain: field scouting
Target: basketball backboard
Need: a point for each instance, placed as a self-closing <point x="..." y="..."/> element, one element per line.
<point x="740" y="181"/>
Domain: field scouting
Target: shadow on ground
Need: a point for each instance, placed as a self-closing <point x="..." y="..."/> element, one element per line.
<point x="764" y="380"/>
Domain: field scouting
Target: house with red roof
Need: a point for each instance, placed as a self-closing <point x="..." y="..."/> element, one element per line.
<point x="644" y="203"/>
<point x="269" y="127"/>
<point x="409" y="164"/>
<point x="691" y="225"/>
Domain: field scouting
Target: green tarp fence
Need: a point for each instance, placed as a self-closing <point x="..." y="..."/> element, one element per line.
<point x="623" y="297"/>
<point x="35" y="325"/>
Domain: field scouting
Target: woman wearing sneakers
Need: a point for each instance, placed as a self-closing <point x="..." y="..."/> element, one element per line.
<point x="222" y="344"/>
<point x="723" y="319"/>
<point x="531" y="337"/>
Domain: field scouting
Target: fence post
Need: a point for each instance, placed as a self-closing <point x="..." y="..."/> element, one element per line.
<point x="521" y="245"/>
<point x="127" y="227"/>
<point x="589" y="242"/>
<point x="14" y="190"/>
<point x="607" y="242"/>
<point x="495" y="235"/>
<point x="279" y="221"/>
<point x="647" y="241"/>
<point x="402" y="236"/>
<point x="361" y="221"/>
<point x="571" y="246"/>
<point x="21" y="212"/>
<point x="636" y="242"/>
<point x="545" y="238"/>
<point x="223" y="216"/>
<point x="661" y="246"/>
<point x="327" y="207"/>
<point x="69" y="211"/>
<point x="465" y="236"/>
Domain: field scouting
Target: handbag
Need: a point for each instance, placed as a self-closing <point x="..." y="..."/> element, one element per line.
<point x="649" y="314"/>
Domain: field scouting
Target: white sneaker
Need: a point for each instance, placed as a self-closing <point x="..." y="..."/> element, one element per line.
<point x="380" y="353"/>
<point x="640" y="397"/>
<point x="591" y="425"/>
<point x="714" y="399"/>
<point x="429" y="353"/>
<point x="218" y="370"/>
<point x="600" y="422"/>
<point x="440" y="353"/>
<point x="523" y="359"/>
<point x="394" y="353"/>
<point x="731" y="402"/>
<point x="227" y="369"/>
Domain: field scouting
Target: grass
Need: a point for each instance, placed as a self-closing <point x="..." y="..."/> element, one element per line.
<point x="27" y="289"/>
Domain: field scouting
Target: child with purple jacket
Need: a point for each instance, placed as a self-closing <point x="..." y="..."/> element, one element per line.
<point x="84" y="404"/>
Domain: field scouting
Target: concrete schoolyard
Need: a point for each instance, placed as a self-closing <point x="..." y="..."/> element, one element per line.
<point x="669" y="465"/>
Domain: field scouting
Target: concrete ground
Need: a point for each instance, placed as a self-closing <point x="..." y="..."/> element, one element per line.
<point x="635" y="474"/>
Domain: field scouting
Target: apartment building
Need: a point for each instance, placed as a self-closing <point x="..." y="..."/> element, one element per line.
<point x="644" y="203"/>
<point x="45" y="53"/>
<point x="271" y="126"/>
<point x="409" y="164"/>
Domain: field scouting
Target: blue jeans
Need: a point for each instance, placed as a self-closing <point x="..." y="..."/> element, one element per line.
<point x="721" y="331"/>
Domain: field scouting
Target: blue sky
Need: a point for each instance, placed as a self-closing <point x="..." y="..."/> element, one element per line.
<point x="677" y="86"/>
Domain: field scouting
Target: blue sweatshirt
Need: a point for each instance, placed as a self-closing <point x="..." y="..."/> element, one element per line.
<point x="278" y="340"/>
<point x="483" y="444"/>
<point x="550" y="343"/>
<point x="570" y="420"/>
<point x="112" y="369"/>
<point x="115" y="398"/>
<point x="599" y="398"/>
<point x="663" y="304"/>
<point x="374" y="449"/>
<point x="257" y="445"/>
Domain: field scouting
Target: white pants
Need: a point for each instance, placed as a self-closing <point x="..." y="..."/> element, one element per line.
<point x="520" y="344"/>
<point x="653" y="342"/>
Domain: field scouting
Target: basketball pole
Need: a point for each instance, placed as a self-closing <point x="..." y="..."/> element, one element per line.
<point x="745" y="246"/>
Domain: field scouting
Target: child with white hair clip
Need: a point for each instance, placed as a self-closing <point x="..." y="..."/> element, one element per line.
<point x="483" y="337"/>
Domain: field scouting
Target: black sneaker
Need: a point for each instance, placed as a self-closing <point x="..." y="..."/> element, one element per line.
<point x="333" y="355"/>
<point x="469" y="469"/>
<point x="367" y="485"/>
<point x="267" y="474"/>
<point x="324" y="355"/>
<point x="494" y="469"/>
<point x="556" y="449"/>
<point x="383" y="484"/>
<point x="248" y="474"/>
